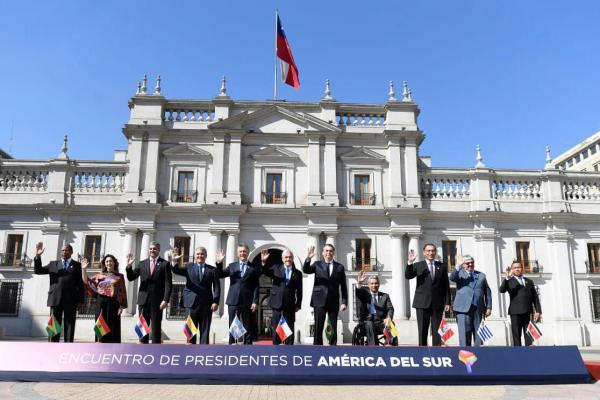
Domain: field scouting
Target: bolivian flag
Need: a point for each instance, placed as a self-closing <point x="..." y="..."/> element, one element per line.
<point x="53" y="327"/>
<point x="101" y="328"/>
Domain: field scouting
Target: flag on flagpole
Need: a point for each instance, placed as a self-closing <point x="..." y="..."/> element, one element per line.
<point x="53" y="327"/>
<point x="289" y="71"/>
<point x="445" y="331"/>
<point x="329" y="328"/>
<point x="283" y="329"/>
<point x="389" y="330"/>
<point x="484" y="332"/>
<point x="189" y="328"/>
<point x="237" y="329"/>
<point x="101" y="328"/>
<point x="141" y="327"/>
<point x="533" y="331"/>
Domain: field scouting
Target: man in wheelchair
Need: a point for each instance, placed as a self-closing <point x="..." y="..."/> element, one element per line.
<point x="375" y="308"/>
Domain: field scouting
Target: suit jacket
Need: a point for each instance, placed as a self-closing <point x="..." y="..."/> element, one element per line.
<point x="288" y="297"/>
<point x="154" y="288"/>
<point x="468" y="290"/>
<point x="522" y="298"/>
<point x="429" y="293"/>
<point x="326" y="289"/>
<point x="66" y="286"/>
<point x="383" y="306"/>
<point x="199" y="290"/>
<point x="243" y="290"/>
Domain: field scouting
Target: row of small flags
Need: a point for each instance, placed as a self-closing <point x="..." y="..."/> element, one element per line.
<point x="283" y="330"/>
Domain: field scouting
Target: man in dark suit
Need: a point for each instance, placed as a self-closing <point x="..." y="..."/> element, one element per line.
<point x="375" y="307"/>
<point x="523" y="300"/>
<point x="202" y="291"/>
<point x="242" y="297"/>
<point x="330" y="277"/>
<point x="473" y="299"/>
<point x="286" y="292"/>
<point x="155" y="288"/>
<point x="66" y="288"/>
<point x="432" y="295"/>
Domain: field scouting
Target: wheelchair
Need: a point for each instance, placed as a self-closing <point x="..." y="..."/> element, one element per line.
<point x="359" y="337"/>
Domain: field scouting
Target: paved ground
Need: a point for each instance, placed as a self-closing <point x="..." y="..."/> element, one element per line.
<point x="80" y="391"/>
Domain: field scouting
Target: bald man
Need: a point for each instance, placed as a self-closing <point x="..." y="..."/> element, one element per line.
<point x="286" y="292"/>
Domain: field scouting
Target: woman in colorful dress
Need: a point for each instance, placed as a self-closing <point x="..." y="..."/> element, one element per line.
<point x="108" y="286"/>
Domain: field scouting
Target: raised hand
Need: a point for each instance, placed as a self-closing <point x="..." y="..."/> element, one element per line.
<point x="509" y="272"/>
<point x="459" y="261"/>
<point x="412" y="256"/>
<point x="264" y="256"/>
<point x="130" y="259"/>
<point x="174" y="254"/>
<point x="361" y="277"/>
<point x="220" y="256"/>
<point x="39" y="249"/>
<point x="85" y="263"/>
<point x="311" y="252"/>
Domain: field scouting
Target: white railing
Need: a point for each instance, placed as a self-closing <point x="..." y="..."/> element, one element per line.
<point x="25" y="179"/>
<point x="178" y="115"/>
<point x="517" y="188"/>
<point x="364" y="120"/>
<point x="98" y="182"/>
<point x="445" y="185"/>
<point x="585" y="190"/>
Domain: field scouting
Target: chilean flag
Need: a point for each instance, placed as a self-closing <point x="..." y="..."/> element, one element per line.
<point x="289" y="71"/>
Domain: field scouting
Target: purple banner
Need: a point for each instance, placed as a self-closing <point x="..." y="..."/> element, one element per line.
<point x="289" y="364"/>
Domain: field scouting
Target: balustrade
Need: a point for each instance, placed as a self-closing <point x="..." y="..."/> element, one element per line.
<point x="517" y="188"/>
<point x="23" y="180"/>
<point x="98" y="181"/>
<point x="442" y="187"/>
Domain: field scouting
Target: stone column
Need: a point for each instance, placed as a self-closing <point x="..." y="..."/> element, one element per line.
<point x="218" y="156"/>
<point x="235" y="163"/>
<point x="230" y="256"/>
<point x="313" y="240"/>
<point x="330" y="166"/>
<point x="413" y="244"/>
<point x="331" y="235"/>
<point x="128" y="248"/>
<point x="134" y="153"/>
<point x="413" y="197"/>
<point x="399" y="284"/>
<point x="146" y="239"/>
<point x="394" y="181"/>
<point x="314" y="175"/>
<point x="151" y="166"/>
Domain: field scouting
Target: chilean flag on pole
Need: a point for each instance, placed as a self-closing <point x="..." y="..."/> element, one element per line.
<point x="289" y="71"/>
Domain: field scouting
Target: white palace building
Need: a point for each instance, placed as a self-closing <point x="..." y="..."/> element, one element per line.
<point x="287" y="175"/>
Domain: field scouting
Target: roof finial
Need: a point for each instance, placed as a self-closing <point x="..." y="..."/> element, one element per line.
<point x="139" y="88"/>
<point x="223" y="91"/>
<point x="392" y="94"/>
<point x="157" y="87"/>
<point x="406" y="92"/>
<point x="327" y="91"/>
<point x="480" y="163"/>
<point x="63" y="155"/>
<point x="144" y="84"/>
<point x="548" y="158"/>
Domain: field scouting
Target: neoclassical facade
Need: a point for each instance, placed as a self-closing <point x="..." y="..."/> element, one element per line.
<point x="287" y="175"/>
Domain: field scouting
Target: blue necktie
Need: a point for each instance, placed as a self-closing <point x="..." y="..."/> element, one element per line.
<point x="201" y="270"/>
<point x="287" y="275"/>
<point x="243" y="268"/>
<point x="65" y="265"/>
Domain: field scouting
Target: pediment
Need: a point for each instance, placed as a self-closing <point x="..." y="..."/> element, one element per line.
<point x="186" y="151"/>
<point x="274" y="153"/>
<point x="274" y="119"/>
<point x="362" y="155"/>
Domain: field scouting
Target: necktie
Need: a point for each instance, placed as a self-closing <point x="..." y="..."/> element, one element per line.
<point x="287" y="275"/>
<point x="65" y="265"/>
<point x="152" y="265"/>
<point x="373" y="303"/>
<point x="201" y="270"/>
<point x="431" y="271"/>
<point x="243" y="268"/>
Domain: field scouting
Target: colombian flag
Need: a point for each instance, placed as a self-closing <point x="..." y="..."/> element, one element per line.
<point x="189" y="329"/>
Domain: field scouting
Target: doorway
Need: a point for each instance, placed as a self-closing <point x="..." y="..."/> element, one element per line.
<point x="262" y="323"/>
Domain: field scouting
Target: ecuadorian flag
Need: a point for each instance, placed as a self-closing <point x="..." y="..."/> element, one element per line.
<point x="389" y="330"/>
<point x="101" y="328"/>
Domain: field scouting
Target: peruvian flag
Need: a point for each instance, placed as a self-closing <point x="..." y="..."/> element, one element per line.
<point x="289" y="71"/>
<point x="445" y="331"/>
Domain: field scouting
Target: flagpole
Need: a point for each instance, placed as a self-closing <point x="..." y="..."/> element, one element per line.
<point x="275" y="74"/>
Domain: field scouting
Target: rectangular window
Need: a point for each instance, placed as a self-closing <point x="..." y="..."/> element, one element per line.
<point x="595" y="300"/>
<point x="585" y="154"/>
<point x="522" y="249"/>
<point x="273" y="193"/>
<point x="593" y="263"/>
<point x="14" y="251"/>
<point x="449" y="252"/>
<point x="182" y="243"/>
<point x="362" y="191"/>
<point x="11" y="292"/>
<point x="93" y="245"/>
<point x="362" y="256"/>
<point x="593" y="149"/>
<point x="174" y="312"/>
<point x="596" y="167"/>
<point x="570" y="163"/>
<point x="577" y="158"/>
<point x="450" y="316"/>
<point x="185" y="190"/>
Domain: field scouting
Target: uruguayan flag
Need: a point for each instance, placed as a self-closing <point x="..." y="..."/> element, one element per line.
<point x="484" y="332"/>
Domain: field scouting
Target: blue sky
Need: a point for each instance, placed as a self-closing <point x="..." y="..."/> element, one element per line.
<point x="513" y="76"/>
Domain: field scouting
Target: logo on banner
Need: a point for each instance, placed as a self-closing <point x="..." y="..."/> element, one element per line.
<point x="468" y="358"/>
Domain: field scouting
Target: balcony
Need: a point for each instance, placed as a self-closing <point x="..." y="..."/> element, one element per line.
<point x="95" y="262"/>
<point x="531" y="266"/>
<point x="274" y="198"/>
<point x="184" y="196"/>
<point x="366" y="264"/>
<point x="362" y="199"/>
<point x="15" y="260"/>
<point x="592" y="267"/>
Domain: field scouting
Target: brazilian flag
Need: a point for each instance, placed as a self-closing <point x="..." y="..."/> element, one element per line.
<point x="329" y="328"/>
